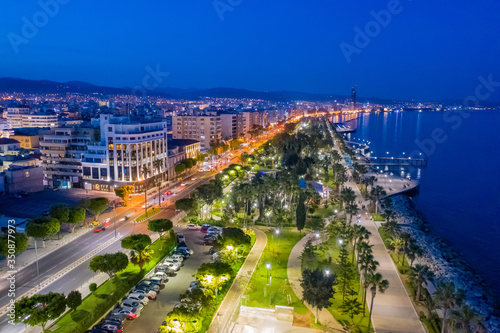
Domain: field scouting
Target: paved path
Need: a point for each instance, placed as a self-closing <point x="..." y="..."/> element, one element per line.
<point x="230" y="302"/>
<point x="393" y="311"/>
<point x="294" y="272"/>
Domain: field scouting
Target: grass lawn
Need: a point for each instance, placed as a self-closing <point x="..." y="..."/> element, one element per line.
<point x="276" y="253"/>
<point x="378" y="217"/>
<point x="151" y="211"/>
<point x="328" y="250"/>
<point x="94" y="306"/>
<point x="386" y="236"/>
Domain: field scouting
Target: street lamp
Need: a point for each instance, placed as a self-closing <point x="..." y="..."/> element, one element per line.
<point x="268" y="266"/>
<point x="327" y="272"/>
<point x="341" y="241"/>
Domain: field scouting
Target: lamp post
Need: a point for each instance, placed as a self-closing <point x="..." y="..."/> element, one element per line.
<point x="268" y="267"/>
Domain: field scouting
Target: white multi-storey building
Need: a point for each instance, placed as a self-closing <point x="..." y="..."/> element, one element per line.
<point x="21" y="117"/>
<point x="127" y="148"/>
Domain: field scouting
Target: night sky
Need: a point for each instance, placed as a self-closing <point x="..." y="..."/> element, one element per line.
<point x="428" y="50"/>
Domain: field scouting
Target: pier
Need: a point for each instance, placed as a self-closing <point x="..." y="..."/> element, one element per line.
<point x="397" y="161"/>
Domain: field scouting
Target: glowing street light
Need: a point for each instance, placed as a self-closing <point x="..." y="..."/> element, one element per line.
<point x="327" y="272"/>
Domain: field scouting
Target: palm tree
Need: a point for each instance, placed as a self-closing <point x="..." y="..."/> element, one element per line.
<point x="377" y="283"/>
<point x="359" y="233"/>
<point x="145" y="172"/>
<point x="406" y="237"/>
<point x="375" y="194"/>
<point x="414" y="251"/>
<point x="420" y="274"/>
<point x="397" y="243"/>
<point x="447" y="297"/>
<point x="351" y="209"/>
<point x="368" y="265"/>
<point x="369" y="181"/>
<point x="464" y="318"/>
<point x="141" y="258"/>
<point x="348" y="196"/>
<point x="158" y="164"/>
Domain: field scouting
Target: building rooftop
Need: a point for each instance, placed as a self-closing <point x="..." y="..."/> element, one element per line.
<point x="181" y="142"/>
<point x="6" y="141"/>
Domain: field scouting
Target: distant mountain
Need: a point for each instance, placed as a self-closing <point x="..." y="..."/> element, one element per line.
<point x="50" y="87"/>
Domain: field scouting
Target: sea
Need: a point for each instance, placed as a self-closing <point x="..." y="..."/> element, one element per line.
<point x="460" y="186"/>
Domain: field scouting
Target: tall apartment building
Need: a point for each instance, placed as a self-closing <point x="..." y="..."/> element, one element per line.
<point x="232" y="126"/>
<point x="249" y="120"/>
<point x="205" y="127"/>
<point x="62" y="152"/>
<point x="127" y="146"/>
<point x="20" y="117"/>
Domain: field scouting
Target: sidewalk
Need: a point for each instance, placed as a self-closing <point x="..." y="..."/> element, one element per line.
<point x="294" y="271"/>
<point x="393" y="310"/>
<point x="231" y="301"/>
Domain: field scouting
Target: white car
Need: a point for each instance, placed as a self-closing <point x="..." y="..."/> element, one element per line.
<point x="161" y="275"/>
<point x="132" y="304"/>
<point x="173" y="265"/>
<point x="151" y="294"/>
<point x="131" y="313"/>
<point x="139" y="298"/>
<point x="192" y="226"/>
<point x="149" y="205"/>
<point x="177" y="257"/>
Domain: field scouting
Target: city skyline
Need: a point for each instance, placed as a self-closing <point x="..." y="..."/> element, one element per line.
<point x="316" y="49"/>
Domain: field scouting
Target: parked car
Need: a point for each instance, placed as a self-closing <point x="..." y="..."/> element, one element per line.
<point x="192" y="226"/>
<point x="150" y="285"/>
<point x="16" y="196"/>
<point x="185" y="248"/>
<point x="204" y="227"/>
<point x="131" y="313"/>
<point x="177" y="257"/>
<point x="139" y="298"/>
<point x="193" y="285"/>
<point x="151" y="294"/>
<point x="181" y="238"/>
<point x="184" y="254"/>
<point x="172" y="265"/>
<point x="208" y="241"/>
<point x="132" y="304"/>
<point x="23" y="193"/>
<point x="165" y="269"/>
<point x="116" y="317"/>
<point x="96" y="331"/>
<point x="162" y="275"/>
<point x="109" y="327"/>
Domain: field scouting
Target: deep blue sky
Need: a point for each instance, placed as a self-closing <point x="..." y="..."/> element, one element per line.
<point x="430" y="50"/>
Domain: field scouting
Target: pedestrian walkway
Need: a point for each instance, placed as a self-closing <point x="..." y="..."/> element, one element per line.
<point x="294" y="271"/>
<point x="393" y="310"/>
<point x="223" y="318"/>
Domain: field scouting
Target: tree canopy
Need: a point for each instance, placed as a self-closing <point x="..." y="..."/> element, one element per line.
<point x="43" y="227"/>
<point x="96" y="206"/>
<point x="59" y="212"/>
<point x="137" y="242"/>
<point x="124" y="192"/>
<point x="74" y="299"/>
<point x="317" y="288"/>
<point x="38" y="309"/>
<point x="160" y="226"/>
<point x="20" y="243"/>
<point x="109" y="263"/>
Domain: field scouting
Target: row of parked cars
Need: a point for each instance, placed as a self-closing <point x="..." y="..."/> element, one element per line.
<point x="145" y="291"/>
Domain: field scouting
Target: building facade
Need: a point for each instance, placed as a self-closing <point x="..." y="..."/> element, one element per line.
<point x="22" y="178"/>
<point x="62" y="152"/>
<point x="126" y="148"/>
<point x="21" y="117"/>
<point x="204" y="128"/>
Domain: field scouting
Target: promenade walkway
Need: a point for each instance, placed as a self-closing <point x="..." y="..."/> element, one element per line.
<point x="294" y="272"/>
<point x="223" y="319"/>
<point x="393" y="311"/>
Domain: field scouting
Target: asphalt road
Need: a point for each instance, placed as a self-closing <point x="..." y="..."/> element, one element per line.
<point x="67" y="254"/>
<point x="80" y="247"/>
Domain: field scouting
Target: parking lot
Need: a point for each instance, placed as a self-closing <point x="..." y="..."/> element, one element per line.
<point x="36" y="203"/>
<point x="154" y="312"/>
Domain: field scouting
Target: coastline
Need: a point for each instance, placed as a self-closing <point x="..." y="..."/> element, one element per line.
<point x="446" y="263"/>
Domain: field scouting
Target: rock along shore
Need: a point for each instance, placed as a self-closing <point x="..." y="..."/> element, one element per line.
<point x="446" y="263"/>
